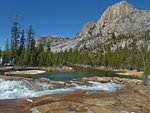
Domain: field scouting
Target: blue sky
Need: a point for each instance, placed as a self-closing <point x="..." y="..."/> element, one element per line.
<point x="54" y="17"/>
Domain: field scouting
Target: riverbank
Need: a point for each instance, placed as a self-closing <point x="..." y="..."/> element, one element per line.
<point x="33" y="70"/>
<point x="26" y="72"/>
<point x="5" y="68"/>
<point x="52" y="69"/>
<point x="120" y="72"/>
<point x="116" y="80"/>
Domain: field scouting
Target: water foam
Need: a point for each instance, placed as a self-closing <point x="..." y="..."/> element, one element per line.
<point x="24" y="89"/>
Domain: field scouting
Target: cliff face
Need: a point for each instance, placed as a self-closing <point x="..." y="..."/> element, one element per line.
<point x="121" y="18"/>
<point x="122" y="8"/>
<point x="53" y="40"/>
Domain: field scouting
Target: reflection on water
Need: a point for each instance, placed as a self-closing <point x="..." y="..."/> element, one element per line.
<point x="66" y="76"/>
<point x="61" y="76"/>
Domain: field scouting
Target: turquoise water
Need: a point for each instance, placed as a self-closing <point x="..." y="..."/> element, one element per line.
<point x="78" y="74"/>
<point x="61" y="76"/>
<point x="66" y="76"/>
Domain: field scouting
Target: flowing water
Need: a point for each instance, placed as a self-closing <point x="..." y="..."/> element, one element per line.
<point x="10" y="89"/>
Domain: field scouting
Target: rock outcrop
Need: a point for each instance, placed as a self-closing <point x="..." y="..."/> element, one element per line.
<point x="118" y="19"/>
<point x="122" y="8"/>
<point x="114" y="80"/>
<point x="53" y="40"/>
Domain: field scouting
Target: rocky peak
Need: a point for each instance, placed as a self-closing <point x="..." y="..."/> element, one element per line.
<point x="86" y="30"/>
<point x="123" y="18"/>
<point x="89" y="25"/>
<point x="121" y="8"/>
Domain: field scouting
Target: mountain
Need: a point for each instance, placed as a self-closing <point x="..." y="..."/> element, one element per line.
<point x="118" y="20"/>
<point x="53" y="40"/>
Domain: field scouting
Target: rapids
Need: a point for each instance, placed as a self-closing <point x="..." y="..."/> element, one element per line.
<point x="11" y="89"/>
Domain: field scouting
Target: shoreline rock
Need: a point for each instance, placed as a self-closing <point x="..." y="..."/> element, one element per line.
<point x="121" y="72"/>
<point x="34" y="70"/>
<point x="129" y="99"/>
<point x="52" y="69"/>
<point x="25" y="72"/>
<point x="116" y="80"/>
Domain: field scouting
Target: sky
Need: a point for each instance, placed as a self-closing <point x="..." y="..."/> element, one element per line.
<point x="54" y="17"/>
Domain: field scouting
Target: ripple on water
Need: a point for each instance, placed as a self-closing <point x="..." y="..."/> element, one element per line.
<point x="10" y="89"/>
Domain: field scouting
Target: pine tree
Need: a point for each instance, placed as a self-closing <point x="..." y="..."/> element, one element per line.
<point x="42" y="60"/>
<point x="21" y="59"/>
<point x="22" y="41"/>
<point x="30" y="39"/>
<point x="147" y="67"/>
<point x="40" y="48"/>
<point x="6" y="54"/>
<point x="49" y="59"/>
<point x="33" y="58"/>
<point x="30" y="47"/>
<point x="15" y="35"/>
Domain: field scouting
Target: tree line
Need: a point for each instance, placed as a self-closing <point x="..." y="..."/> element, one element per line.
<point x="22" y="52"/>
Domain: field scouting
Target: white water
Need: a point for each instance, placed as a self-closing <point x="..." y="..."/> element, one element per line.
<point x="24" y="89"/>
<point x="31" y="72"/>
